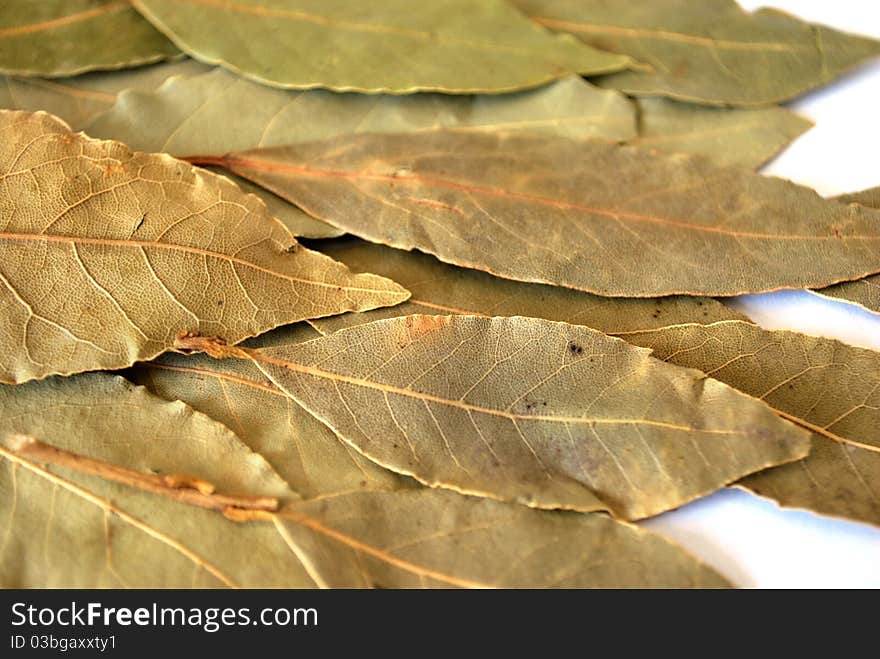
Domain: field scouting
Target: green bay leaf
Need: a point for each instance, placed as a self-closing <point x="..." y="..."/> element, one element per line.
<point x="457" y="46"/>
<point x="709" y="52"/>
<point x="53" y="38"/>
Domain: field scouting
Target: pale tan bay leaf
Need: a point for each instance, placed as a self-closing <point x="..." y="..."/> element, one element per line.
<point x="438" y="288"/>
<point x="547" y="414"/>
<point x="741" y="137"/>
<point x="133" y="248"/>
<point x="585" y="214"/>
<point x="310" y="457"/>
<point x="53" y="38"/>
<point x="456" y="46"/>
<point x="826" y="386"/>
<point x="79" y="99"/>
<point x="710" y="51"/>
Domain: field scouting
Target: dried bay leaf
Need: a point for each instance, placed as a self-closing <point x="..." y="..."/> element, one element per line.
<point x="78" y="100"/>
<point x="547" y="414"/>
<point x="862" y="292"/>
<point x="709" y="52"/>
<point x="69" y="529"/>
<point x="303" y="450"/>
<point x="503" y="204"/>
<point x="133" y="248"/>
<point x="192" y="115"/>
<point x="831" y="388"/>
<point x="742" y="137"/>
<point x="433" y="538"/>
<point x="457" y="46"/>
<point x="124" y="536"/>
<point x="53" y="38"/>
<point x="438" y="288"/>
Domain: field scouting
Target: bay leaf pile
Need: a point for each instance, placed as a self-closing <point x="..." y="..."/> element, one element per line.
<point x="501" y="337"/>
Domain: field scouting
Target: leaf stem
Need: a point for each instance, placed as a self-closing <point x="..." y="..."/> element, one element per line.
<point x="185" y="489"/>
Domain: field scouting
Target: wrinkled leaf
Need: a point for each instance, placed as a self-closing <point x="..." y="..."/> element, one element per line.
<point x="708" y="52"/>
<point x="302" y="449"/>
<point x="133" y="248"/>
<point x="125" y="537"/>
<point x="747" y="138"/>
<point x="862" y="292"/>
<point x="438" y="288"/>
<point x="590" y="215"/>
<point x="80" y="99"/>
<point x="54" y="38"/>
<point x="546" y="414"/>
<point x="457" y="46"/>
<point x="824" y="385"/>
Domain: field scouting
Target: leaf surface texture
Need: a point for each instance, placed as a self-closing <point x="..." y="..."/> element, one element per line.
<point x="53" y="38"/>
<point x="708" y="52"/>
<point x="457" y="46"/>
<point x="134" y="248"/>
<point x="547" y="414"/>
<point x="585" y="214"/>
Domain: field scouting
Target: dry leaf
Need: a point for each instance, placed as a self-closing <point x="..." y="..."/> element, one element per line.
<point x="708" y="52"/>
<point x="862" y="292"/>
<point x="54" y="38"/>
<point x="433" y="538"/>
<point x="134" y="248"/>
<point x="68" y="529"/>
<point x="590" y="215"/>
<point x="303" y="450"/>
<point x="127" y="537"/>
<point x="546" y="414"/>
<point x="78" y="100"/>
<point x="457" y="46"/>
<point x="438" y="288"/>
<point x="747" y="138"/>
<point x="823" y="385"/>
<point x="192" y="115"/>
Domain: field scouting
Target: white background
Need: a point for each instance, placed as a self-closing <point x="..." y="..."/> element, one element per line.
<point x="750" y="540"/>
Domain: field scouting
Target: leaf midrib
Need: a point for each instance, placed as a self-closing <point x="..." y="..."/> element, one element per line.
<point x="130" y="243"/>
<point x="237" y="164"/>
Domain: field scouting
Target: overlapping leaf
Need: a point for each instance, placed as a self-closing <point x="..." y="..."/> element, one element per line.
<point x="863" y="292"/>
<point x="192" y="115"/>
<point x="824" y="385"/>
<point x="126" y="537"/>
<point x="590" y="215"/>
<point x="438" y="288"/>
<point x="123" y="537"/>
<point x="133" y="248"/>
<point x="80" y="99"/>
<point x="457" y="46"/>
<point x="302" y="449"/>
<point x="54" y="38"/>
<point x="708" y="52"/>
<point x="547" y="414"/>
<point x="746" y="138"/>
